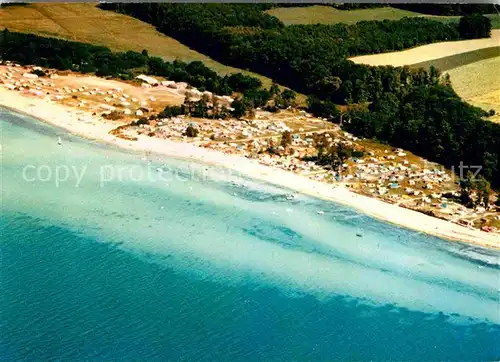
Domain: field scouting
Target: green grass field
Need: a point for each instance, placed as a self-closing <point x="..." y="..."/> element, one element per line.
<point x="84" y="22"/>
<point x="320" y="14"/>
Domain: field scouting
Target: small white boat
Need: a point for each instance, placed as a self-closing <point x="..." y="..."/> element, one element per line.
<point x="359" y="234"/>
<point x="59" y="141"/>
<point x="320" y="212"/>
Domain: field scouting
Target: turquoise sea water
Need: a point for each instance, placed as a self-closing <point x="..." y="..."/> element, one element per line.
<point x="114" y="260"/>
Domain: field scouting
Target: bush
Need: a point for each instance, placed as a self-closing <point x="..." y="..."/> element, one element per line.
<point x="491" y="113"/>
<point x="357" y="154"/>
<point x="191" y="131"/>
<point x="172" y="111"/>
<point x="39" y="72"/>
<point x="289" y="95"/>
<point x="142" y="120"/>
<point x="113" y="116"/>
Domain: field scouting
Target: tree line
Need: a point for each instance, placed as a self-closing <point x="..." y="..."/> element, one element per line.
<point x="86" y="58"/>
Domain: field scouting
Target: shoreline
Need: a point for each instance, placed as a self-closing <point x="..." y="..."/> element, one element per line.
<point x="67" y="118"/>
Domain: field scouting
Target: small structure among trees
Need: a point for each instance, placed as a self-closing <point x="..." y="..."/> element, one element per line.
<point x="480" y="186"/>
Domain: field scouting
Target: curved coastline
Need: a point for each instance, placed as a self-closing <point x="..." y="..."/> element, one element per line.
<point x="68" y="118"/>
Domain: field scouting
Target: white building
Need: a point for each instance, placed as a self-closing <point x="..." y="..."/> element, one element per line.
<point x="149" y="80"/>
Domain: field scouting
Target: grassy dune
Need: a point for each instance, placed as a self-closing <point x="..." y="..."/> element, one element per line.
<point x="320" y="14"/>
<point x="84" y="22"/>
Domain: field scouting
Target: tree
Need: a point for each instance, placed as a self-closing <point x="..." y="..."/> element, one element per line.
<point x="474" y="26"/>
<point x="483" y="191"/>
<point x="325" y="109"/>
<point x="286" y="139"/>
<point x="321" y="147"/>
<point x="191" y="131"/>
<point x="188" y="102"/>
<point x="204" y="98"/>
<point x="329" y="85"/>
<point x="215" y="107"/>
<point x="288" y="97"/>
<point x="340" y="154"/>
<point x="466" y="185"/>
<point x="275" y="89"/>
<point x="200" y="109"/>
<point x="239" y="108"/>
<point x="434" y="74"/>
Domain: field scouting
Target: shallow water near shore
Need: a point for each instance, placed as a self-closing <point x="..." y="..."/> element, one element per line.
<point x="114" y="255"/>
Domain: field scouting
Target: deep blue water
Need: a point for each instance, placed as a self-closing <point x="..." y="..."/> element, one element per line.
<point x="186" y="270"/>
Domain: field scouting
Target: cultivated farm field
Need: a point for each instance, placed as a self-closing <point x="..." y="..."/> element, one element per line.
<point x="479" y="84"/>
<point x="459" y="60"/>
<point x="430" y="52"/>
<point x="321" y="14"/>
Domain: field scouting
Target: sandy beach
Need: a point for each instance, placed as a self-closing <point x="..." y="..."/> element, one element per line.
<point x="84" y="124"/>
